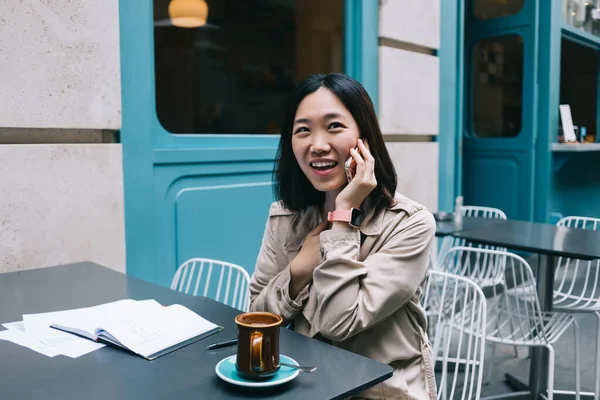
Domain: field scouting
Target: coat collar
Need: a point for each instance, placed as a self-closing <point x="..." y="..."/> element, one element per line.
<point x="305" y="221"/>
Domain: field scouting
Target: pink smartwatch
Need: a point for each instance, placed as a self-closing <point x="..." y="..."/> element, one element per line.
<point x="353" y="216"/>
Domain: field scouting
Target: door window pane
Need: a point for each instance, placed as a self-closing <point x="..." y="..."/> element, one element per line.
<point x="498" y="86"/>
<point x="579" y="86"/>
<point x="584" y="15"/>
<point x="233" y="74"/>
<point x="489" y="9"/>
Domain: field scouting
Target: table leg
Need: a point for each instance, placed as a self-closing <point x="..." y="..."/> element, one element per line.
<point x="545" y="281"/>
<point x="538" y="372"/>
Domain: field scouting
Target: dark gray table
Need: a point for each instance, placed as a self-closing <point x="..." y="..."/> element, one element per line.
<point x="549" y="241"/>
<point x="188" y="373"/>
<point x="446" y="228"/>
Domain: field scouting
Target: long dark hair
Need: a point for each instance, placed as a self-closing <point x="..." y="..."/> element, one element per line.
<point x="292" y="187"/>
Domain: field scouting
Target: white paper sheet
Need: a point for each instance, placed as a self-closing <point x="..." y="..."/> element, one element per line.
<point x="15" y="326"/>
<point x="50" y="342"/>
<point x="567" y="123"/>
<point x="21" y="338"/>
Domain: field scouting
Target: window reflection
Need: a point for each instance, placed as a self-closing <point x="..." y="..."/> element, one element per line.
<point x="498" y="86"/>
<point x="584" y="15"/>
<point x="234" y="74"/>
<point x="488" y="9"/>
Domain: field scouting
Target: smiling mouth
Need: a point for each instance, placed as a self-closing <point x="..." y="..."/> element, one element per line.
<point x="323" y="165"/>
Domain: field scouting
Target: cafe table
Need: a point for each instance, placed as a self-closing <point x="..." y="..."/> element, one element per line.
<point x="450" y="227"/>
<point x="188" y="373"/>
<point x="549" y="241"/>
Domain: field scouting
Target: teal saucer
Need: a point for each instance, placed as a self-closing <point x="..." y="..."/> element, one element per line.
<point x="226" y="370"/>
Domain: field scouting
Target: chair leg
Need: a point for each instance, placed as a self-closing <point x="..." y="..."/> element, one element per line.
<point x="597" y="389"/>
<point x="577" y="366"/>
<point x="550" y="372"/>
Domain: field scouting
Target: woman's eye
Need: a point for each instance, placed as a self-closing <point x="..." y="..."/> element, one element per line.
<point x="302" y="129"/>
<point x="335" y="125"/>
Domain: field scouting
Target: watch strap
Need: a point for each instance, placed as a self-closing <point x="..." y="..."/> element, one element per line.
<point x="340" y="215"/>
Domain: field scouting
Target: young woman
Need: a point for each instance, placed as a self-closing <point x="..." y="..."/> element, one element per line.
<point x="345" y="261"/>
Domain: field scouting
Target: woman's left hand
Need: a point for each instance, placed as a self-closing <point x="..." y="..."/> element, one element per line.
<point x="364" y="180"/>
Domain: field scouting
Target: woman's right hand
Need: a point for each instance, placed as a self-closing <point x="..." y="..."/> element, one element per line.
<point x="303" y="265"/>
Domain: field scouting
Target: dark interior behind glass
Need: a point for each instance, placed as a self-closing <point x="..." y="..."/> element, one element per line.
<point x="234" y="74"/>
<point x="497" y="100"/>
<point x="579" y="83"/>
<point x="490" y="9"/>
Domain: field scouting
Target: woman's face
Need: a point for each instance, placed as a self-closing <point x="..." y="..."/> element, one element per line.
<point x="323" y="133"/>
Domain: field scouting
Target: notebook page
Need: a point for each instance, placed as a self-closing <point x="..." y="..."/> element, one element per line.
<point x="151" y="329"/>
<point x="82" y="319"/>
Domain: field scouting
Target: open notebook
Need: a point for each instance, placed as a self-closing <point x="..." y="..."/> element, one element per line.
<point x="145" y="327"/>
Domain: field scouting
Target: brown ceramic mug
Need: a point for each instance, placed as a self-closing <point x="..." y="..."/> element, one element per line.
<point x="258" y="344"/>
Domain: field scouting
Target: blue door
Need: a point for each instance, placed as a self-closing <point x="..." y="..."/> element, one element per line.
<point x="500" y="105"/>
<point x="208" y="195"/>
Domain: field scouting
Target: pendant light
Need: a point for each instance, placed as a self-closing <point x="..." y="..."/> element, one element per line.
<point x="188" y="13"/>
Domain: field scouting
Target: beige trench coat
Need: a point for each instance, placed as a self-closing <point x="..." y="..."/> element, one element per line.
<point x="364" y="298"/>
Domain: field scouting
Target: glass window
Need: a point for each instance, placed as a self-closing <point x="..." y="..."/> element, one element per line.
<point x="498" y="86"/>
<point x="584" y="15"/>
<point x="234" y="73"/>
<point x="579" y="85"/>
<point x="489" y="9"/>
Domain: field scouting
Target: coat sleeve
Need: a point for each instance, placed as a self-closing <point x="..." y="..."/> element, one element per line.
<point x="353" y="295"/>
<point x="269" y="285"/>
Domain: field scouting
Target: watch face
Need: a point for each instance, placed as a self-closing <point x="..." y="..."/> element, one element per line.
<point x="356" y="218"/>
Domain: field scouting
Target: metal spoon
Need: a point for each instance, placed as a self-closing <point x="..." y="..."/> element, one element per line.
<point x="308" y="370"/>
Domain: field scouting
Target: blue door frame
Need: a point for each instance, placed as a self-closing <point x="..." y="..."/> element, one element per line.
<point x="549" y="98"/>
<point x="202" y="195"/>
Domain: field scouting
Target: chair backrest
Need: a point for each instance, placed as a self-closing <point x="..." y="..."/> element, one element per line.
<point x="513" y="299"/>
<point x="580" y="223"/>
<point x="577" y="281"/>
<point x="473" y="212"/>
<point x="485" y="268"/>
<point x="221" y="281"/>
<point x="483" y="212"/>
<point x="456" y="311"/>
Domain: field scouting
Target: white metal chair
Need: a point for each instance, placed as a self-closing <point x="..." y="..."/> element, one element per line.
<point x="487" y="263"/>
<point x="517" y="319"/>
<point x="456" y="310"/>
<point x="487" y="271"/>
<point x="214" y="279"/>
<point x="577" y="285"/>
<point x="473" y="212"/>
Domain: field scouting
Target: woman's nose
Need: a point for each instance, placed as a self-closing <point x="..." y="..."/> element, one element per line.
<point x="320" y="145"/>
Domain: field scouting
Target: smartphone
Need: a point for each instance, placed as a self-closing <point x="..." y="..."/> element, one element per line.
<point x="350" y="168"/>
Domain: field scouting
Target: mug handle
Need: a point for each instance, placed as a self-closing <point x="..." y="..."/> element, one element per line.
<point x="256" y="362"/>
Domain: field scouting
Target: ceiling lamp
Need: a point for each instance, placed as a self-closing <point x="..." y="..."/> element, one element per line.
<point x="188" y="13"/>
